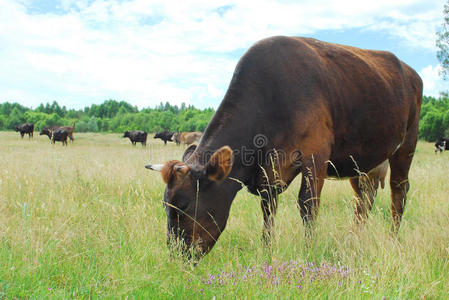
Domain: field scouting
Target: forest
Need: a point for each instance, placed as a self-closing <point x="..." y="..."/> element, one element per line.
<point x="110" y="116"/>
<point x="119" y="116"/>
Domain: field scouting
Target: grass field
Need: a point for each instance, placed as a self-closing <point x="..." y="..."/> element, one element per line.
<point x="87" y="221"/>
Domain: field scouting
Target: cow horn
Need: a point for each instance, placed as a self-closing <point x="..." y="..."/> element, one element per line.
<point x="156" y="167"/>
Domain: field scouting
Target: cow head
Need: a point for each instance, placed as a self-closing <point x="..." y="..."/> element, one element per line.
<point x="126" y="134"/>
<point x="158" y="135"/>
<point x="197" y="200"/>
<point x="46" y="131"/>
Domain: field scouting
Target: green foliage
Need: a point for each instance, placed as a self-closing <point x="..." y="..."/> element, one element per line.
<point x="119" y="116"/>
<point x="82" y="126"/>
<point x="92" y="126"/>
<point x="110" y="116"/>
<point x="14" y="118"/>
<point x="434" y="122"/>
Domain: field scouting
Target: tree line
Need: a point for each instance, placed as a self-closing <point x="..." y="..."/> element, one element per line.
<point x="119" y="116"/>
<point x="110" y="116"/>
<point x="434" y="118"/>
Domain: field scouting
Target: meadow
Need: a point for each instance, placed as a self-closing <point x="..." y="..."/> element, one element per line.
<point x="87" y="221"/>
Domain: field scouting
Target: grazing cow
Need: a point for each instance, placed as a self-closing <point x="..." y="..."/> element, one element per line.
<point x="176" y="138"/>
<point x="441" y="144"/>
<point x="60" y="135"/>
<point x="26" y="128"/>
<point x="70" y="130"/>
<point x="295" y="105"/>
<point x="136" y="136"/>
<point x="48" y="131"/>
<point x="187" y="138"/>
<point x="165" y="136"/>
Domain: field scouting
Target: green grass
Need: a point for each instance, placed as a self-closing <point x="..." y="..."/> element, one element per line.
<point x="87" y="221"/>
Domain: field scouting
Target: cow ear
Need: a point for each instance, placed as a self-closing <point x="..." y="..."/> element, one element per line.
<point x="220" y="164"/>
<point x="188" y="152"/>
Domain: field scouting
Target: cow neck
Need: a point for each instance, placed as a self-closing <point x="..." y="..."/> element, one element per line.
<point x="227" y="129"/>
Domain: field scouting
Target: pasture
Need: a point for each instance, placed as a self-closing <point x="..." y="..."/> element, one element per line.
<point x="87" y="221"/>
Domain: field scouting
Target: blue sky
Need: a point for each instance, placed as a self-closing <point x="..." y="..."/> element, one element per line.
<point x="145" y="52"/>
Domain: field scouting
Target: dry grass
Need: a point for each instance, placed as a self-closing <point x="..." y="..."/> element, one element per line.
<point x="87" y="221"/>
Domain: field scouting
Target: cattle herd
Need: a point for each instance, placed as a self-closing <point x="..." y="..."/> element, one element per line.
<point x="54" y="133"/>
<point x="62" y="133"/>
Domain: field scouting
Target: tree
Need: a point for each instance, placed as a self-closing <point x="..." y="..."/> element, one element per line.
<point x="14" y="118"/>
<point x="443" y="43"/>
<point x="92" y="126"/>
<point x="2" y="122"/>
<point x="81" y="126"/>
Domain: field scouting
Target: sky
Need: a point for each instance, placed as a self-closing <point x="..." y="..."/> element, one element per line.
<point x="147" y="51"/>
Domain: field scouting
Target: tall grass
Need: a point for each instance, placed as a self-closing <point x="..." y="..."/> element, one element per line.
<point x="87" y="221"/>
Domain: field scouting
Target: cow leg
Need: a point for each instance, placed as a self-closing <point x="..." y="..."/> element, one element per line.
<point x="400" y="165"/>
<point x="22" y="134"/>
<point x="269" y="208"/>
<point x="364" y="192"/>
<point x="165" y="142"/>
<point x="314" y="171"/>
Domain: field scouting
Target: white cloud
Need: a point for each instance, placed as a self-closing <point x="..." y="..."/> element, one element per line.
<point x="432" y="81"/>
<point x="151" y="51"/>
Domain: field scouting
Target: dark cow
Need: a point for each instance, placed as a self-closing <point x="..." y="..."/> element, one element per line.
<point x="295" y="105"/>
<point x="60" y="135"/>
<point x="441" y="144"/>
<point x="136" y="136"/>
<point x="26" y="128"/>
<point x="48" y="131"/>
<point x="70" y="130"/>
<point x="165" y="136"/>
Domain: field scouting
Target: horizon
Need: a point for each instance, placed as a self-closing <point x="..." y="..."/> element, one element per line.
<point x="80" y="53"/>
<point x="153" y="107"/>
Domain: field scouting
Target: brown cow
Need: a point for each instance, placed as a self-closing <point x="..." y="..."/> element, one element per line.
<point x="48" y="131"/>
<point x="347" y="109"/>
<point x="187" y="138"/>
<point x="70" y="130"/>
